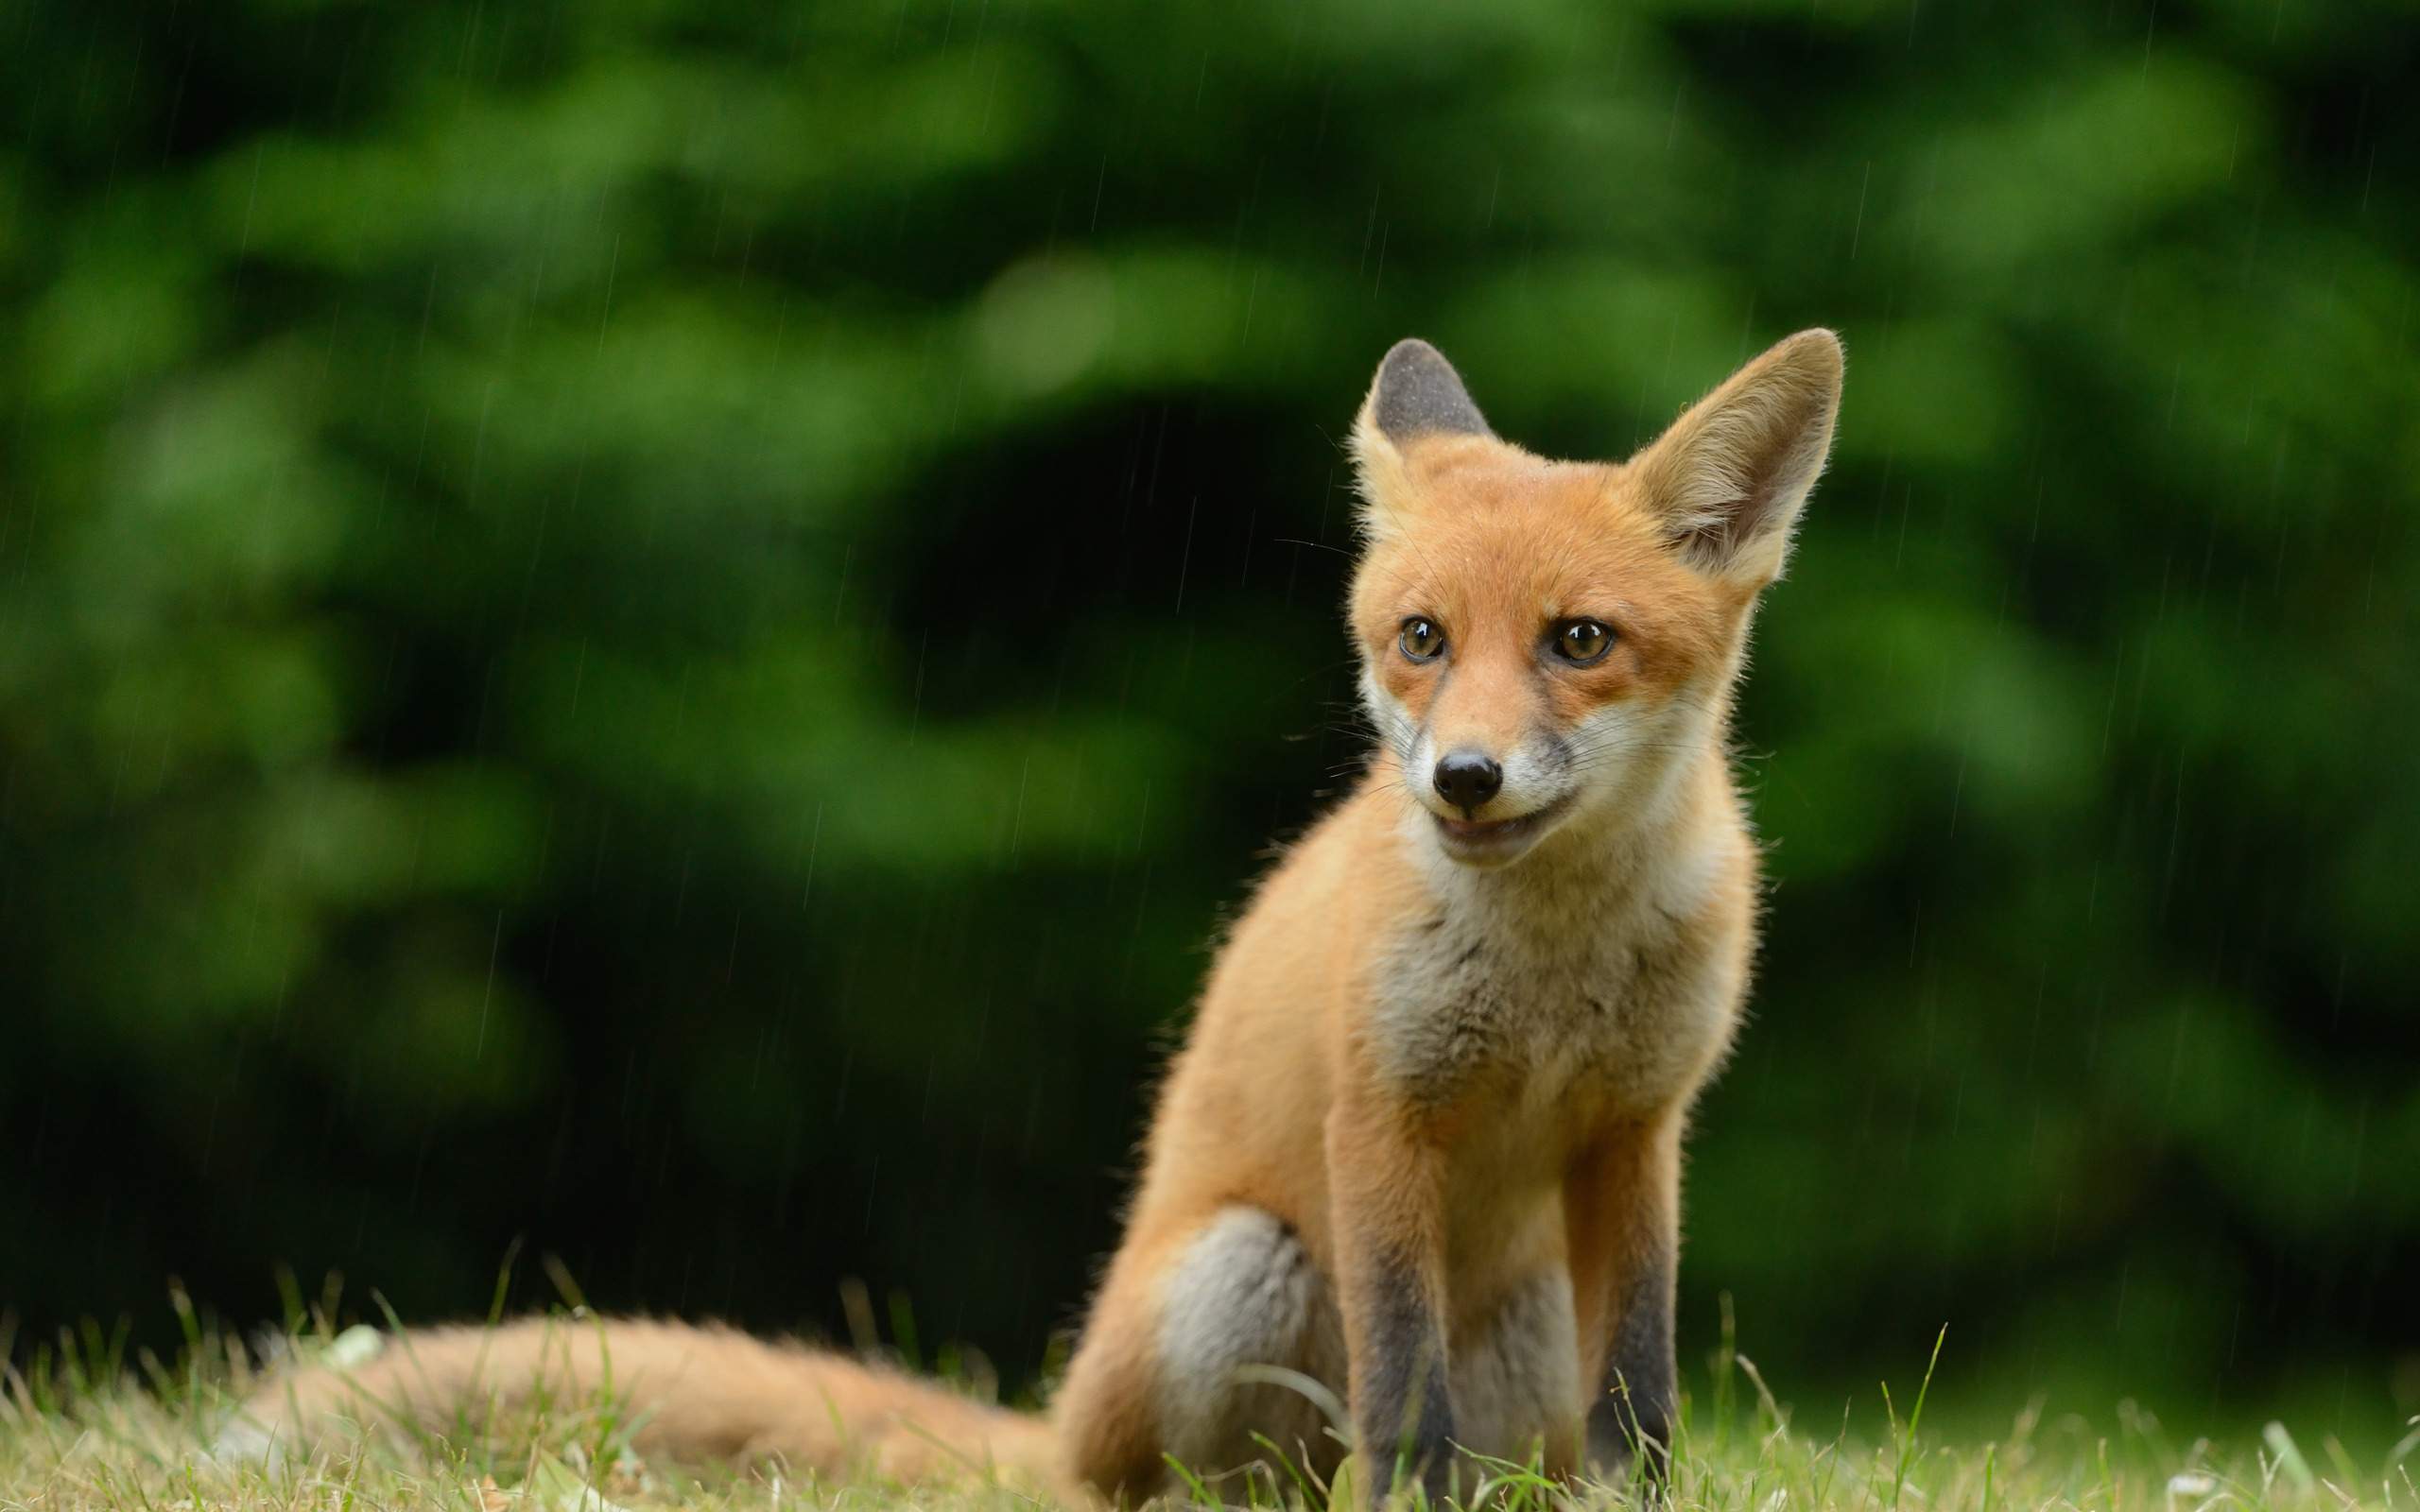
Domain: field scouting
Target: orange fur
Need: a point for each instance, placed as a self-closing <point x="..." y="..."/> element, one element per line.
<point x="1421" y="1151"/>
<point x="705" y="1392"/>
<point x="1488" y="1162"/>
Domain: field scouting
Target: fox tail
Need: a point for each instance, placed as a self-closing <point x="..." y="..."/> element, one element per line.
<point x="690" y="1392"/>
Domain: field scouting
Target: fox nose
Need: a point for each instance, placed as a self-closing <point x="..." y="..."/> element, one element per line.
<point x="1467" y="778"/>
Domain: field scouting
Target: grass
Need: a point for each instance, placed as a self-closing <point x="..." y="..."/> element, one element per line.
<point x="83" y="1429"/>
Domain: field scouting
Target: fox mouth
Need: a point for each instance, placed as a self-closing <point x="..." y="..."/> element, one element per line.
<point x="1496" y="836"/>
<point x="1487" y="829"/>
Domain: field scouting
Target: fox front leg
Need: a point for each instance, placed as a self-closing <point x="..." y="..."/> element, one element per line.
<point x="1622" y="1209"/>
<point x="1633" y="1415"/>
<point x="1390" y="1272"/>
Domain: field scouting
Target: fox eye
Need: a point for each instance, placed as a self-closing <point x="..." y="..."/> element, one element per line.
<point x="1422" y="640"/>
<point x="1583" y="642"/>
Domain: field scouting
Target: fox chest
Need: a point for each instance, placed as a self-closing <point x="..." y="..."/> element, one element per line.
<point x="1608" y="1022"/>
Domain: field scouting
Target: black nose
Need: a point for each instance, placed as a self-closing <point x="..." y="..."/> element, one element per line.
<point x="1467" y="778"/>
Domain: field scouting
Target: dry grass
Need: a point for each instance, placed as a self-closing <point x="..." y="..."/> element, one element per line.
<point x="83" y="1430"/>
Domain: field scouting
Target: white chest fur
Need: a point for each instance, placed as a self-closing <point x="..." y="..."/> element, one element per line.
<point x="1595" y="978"/>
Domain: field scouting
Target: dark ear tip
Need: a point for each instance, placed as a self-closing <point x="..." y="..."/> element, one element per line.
<point x="1418" y="393"/>
<point x="1412" y="350"/>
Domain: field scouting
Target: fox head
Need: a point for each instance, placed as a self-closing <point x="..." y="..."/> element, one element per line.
<point x="1546" y="644"/>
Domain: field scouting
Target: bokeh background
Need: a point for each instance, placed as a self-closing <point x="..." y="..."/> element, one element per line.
<point x="665" y="630"/>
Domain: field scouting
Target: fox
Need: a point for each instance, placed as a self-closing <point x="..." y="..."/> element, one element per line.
<point x="1411" y="1189"/>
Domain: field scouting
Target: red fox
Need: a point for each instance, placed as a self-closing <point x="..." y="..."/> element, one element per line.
<point x="1421" y="1152"/>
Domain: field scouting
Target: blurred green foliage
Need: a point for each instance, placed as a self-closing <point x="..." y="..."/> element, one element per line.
<point x="665" y="628"/>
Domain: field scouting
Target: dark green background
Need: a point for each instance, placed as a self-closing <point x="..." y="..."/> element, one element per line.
<point x="667" y="628"/>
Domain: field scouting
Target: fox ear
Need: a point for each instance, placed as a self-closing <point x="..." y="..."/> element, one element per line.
<point x="1730" y="477"/>
<point x="1416" y="394"/>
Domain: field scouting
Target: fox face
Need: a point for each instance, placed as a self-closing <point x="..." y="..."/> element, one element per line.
<point x="1543" y="642"/>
